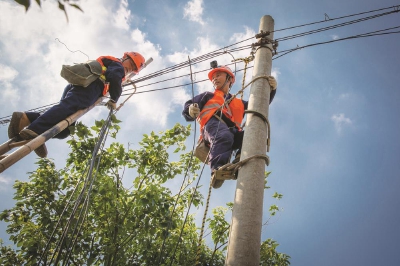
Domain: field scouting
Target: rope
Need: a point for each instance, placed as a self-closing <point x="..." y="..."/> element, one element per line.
<point x="202" y="226"/>
<point x="69" y="201"/>
<point x="241" y="91"/>
<point x="184" y="178"/>
<point x="190" y="203"/>
<point x="183" y="182"/>
<point x="84" y="202"/>
<point x="235" y="166"/>
<point x="246" y="61"/>
<point x="6" y="119"/>
<point x="263" y="117"/>
<point x="239" y="164"/>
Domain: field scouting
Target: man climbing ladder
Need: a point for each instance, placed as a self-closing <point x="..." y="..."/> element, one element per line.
<point x="220" y="116"/>
<point x="107" y="73"/>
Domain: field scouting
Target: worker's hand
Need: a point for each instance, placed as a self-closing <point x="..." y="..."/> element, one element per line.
<point x="194" y="110"/>
<point x="272" y="82"/>
<point x="111" y="105"/>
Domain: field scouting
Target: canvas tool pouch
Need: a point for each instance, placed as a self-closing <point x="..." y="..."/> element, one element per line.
<point x="201" y="151"/>
<point x="82" y="74"/>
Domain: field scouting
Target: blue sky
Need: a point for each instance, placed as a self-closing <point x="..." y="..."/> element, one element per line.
<point x="334" y="121"/>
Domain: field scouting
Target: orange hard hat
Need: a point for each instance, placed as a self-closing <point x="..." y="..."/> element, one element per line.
<point x="223" y="69"/>
<point x="137" y="58"/>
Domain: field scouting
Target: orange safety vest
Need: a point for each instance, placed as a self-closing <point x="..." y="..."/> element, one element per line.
<point x="234" y="110"/>
<point x="104" y="69"/>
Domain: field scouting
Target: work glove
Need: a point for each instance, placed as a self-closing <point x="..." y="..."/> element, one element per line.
<point x="272" y="82"/>
<point x="111" y="105"/>
<point x="194" y="110"/>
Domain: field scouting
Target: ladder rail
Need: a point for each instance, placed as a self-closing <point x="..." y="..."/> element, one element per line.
<point x="29" y="146"/>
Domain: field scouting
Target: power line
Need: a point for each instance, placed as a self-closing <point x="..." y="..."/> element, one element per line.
<point x="363" y="35"/>
<point x="332" y="19"/>
<point x="224" y="50"/>
<point x="335" y="26"/>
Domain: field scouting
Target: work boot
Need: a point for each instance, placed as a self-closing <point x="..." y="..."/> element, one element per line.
<point x="221" y="174"/>
<point x="18" y="121"/>
<point x="28" y="134"/>
<point x="215" y="183"/>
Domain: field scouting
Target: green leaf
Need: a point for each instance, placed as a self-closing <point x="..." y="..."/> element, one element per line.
<point x="76" y="6"/>
<point x="123" y="224"/>
<point x="62" y="7"/>
<point x="25" y="3"/>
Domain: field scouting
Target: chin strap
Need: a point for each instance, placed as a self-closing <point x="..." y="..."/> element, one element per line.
<point x="228" y="78"/>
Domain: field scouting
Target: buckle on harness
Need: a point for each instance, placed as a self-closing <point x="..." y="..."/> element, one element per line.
<point x="106" y="88"/>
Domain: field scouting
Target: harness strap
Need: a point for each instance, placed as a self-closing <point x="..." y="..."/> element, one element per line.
<point x="103" y="70"/>
<point x="224" y="119"/>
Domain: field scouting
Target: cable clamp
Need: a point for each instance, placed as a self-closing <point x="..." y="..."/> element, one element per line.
<point x="262" y="34"/>
<point x="267" y="43"/>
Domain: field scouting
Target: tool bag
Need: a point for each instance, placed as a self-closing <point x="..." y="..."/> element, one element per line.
<point x="201" y="151"/>
<point x="82" y="74"/>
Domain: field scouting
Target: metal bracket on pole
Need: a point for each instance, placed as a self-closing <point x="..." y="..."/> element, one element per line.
<point x="267" y="43"/>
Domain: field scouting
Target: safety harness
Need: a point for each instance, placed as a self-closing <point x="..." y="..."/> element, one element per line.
<point x="104" y="69"/>
<point x="232" y="113"/>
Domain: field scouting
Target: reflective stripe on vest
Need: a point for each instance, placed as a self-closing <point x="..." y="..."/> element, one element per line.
<point x="104" y="69"/>
<point x="234" y="111"/>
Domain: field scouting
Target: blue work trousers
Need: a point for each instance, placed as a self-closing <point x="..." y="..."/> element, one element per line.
<point x="223" y="140"/>
<point x="73" y="99"/>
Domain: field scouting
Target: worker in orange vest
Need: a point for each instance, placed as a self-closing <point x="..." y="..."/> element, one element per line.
<point x="28" y="125"/>
<point x="220" y="117"/>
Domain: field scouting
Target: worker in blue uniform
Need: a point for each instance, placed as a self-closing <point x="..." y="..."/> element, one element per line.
<point x="220" y="117"/>
<point x="28" y="125"/>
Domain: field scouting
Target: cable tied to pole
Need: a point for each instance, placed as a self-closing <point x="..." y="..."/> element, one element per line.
<point x="252" y="111"/>
<point x="246" y="61"/>
<point x="263" y="117"/>
<point x="241" y="91"/>
<point x="264" y="41"/>
<point x="236" y="166"/>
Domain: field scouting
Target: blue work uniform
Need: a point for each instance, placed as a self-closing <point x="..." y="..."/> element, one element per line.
<point x="76" y="98"/>
<point x="223" y="138"/>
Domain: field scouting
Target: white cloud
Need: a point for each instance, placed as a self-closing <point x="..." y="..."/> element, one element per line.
<point x="240" y="36"/>
<point x="46" y="47"/>
<point x="193" y="11"/>
<point x="122" y="16"/>
<point x="334" y="37"/>
<point x="275" y="73"/>
<point x="340" y="121"/>
<point x="4" y="180"/>
<point x="7" y="73"/>
<point x="9" y="93"/>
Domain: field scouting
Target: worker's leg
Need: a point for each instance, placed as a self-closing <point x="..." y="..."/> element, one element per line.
<point x="221" y="139"/>
<point x="76" y="98"/>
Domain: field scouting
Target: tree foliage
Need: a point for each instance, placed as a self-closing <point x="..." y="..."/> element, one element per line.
<point x="61" y="5"/>
<point x="65" y="216"/>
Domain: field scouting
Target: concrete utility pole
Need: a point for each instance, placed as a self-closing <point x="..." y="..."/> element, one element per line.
<point x="245" y="233"/>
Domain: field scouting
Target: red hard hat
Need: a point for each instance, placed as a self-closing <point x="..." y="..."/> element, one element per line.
<point x="137" y="58"/>
<point x="223" y="69"/>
